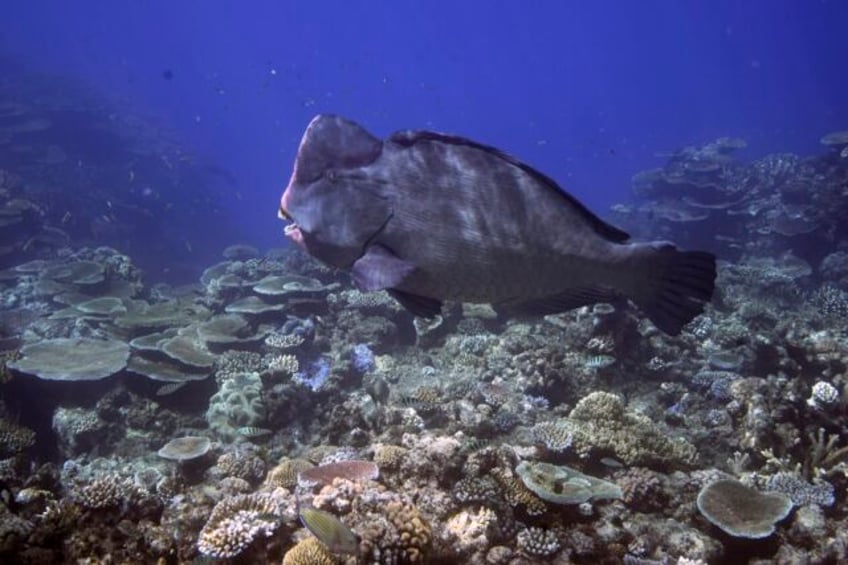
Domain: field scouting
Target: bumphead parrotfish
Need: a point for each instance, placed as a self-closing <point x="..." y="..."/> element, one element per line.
<point x="432" y="217"/>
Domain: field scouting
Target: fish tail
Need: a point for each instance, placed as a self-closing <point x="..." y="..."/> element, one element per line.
<point x="674" y="285"/>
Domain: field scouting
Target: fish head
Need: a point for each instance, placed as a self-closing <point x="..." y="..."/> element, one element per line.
<point x="335" y="198"/>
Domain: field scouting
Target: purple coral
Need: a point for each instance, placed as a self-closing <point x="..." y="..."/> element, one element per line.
<point x="362" y="358"/>
<point x="316" y="374"/>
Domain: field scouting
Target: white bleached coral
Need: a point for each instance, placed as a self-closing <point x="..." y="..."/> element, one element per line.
<point x="469" y="531"/>
<point x="823" y="396"/>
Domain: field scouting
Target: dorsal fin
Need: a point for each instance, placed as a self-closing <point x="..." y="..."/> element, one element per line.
<point x="408" y="138"/>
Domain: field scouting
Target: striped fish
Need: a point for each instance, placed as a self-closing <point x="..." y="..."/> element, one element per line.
<point x="169" y="388"/>
<point x="252" y="431"/>
<point x="329" y="530"/>
<point x="599" y="361"/>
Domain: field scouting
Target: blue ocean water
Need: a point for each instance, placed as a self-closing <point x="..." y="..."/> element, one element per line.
<point x="586" y="92"/>
<point x="180" y="384"/>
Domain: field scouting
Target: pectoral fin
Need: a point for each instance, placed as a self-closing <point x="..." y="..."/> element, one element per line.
<point x="379" y="269"/>
<point x="418" y="305"/>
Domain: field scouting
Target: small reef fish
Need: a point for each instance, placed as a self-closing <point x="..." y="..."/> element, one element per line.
<point x="329" y="530"/>
<point x="431" y="217"/>
<point x="169" y="388"/>
<point x="252" y="431"/>
<point x="599" y="361"/>
<point x="476" y="444"/>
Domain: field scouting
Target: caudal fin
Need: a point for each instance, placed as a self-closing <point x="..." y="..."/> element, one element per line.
<point x="677" y="285"/>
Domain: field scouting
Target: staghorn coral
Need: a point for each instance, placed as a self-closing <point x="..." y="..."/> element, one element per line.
<point x="429" y="454"/>
<point x="824" y="458"/>
<point x="237" y="521"/>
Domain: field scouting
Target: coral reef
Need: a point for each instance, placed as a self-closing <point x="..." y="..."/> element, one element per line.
<point x="145" y="424"/>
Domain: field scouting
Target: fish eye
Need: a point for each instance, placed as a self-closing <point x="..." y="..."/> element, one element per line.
<point x="332" y="174"/>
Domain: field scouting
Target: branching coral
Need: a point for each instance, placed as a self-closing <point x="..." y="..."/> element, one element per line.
<point x="237" y="521"/>
<point x="106" y="492"/>
<point x="824" y="458"/>
<point x="14" y="438"/>
<point x="601" y="423"/>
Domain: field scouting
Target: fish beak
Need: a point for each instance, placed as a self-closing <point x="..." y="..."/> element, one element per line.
<point x="283" y="215"/>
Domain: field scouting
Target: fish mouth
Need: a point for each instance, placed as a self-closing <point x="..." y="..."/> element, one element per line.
<point x="292" y="230"/>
